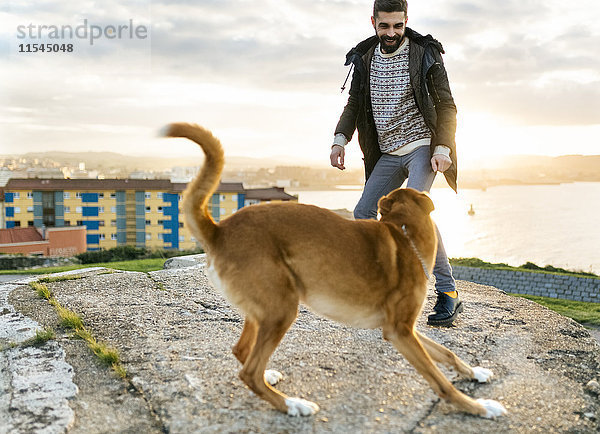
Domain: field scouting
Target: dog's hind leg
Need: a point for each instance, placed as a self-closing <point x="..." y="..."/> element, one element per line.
<point x="403" y="337"/>
<point x="443" y="355"/>
<point x="242" y="349"/>
<point x="271" y="330"/>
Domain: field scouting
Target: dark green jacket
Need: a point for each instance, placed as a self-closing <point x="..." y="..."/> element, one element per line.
<point x="431" y="90"/>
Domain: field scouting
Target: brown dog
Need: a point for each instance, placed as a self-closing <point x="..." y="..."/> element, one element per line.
<point x="267" y="258"/>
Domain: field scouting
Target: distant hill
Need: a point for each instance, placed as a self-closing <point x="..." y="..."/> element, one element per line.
<point x="510" y="170"/>
<point x="533" y="169"/>
<point x="584" y="162"/>
<point x="112" y="160"/>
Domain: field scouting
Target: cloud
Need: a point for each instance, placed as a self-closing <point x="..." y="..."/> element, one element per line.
<point x="278" y="65"/>
<point x="523" y="61"/>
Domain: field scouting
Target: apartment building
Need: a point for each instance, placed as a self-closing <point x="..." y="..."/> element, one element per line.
<point x="144" y="213"/>
<point x="140" y="212"/>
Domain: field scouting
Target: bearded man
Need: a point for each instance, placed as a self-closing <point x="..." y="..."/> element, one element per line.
<point x="401" y="104"/>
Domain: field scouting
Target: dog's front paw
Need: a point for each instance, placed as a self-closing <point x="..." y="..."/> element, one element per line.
<point x="273" y="377"/>
<point x="483" y="375"/>
<point x="300" y="407"/>
<point x="493" y="408"/>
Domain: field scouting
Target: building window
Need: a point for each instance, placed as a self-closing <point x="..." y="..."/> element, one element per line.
<point x="100" y="209"/>
<point x="100" y="195"/>
<point x="222" y="197"/>
<point x="113" y="195"/>
<point x="67" y="223"/>
<point x="223" y="211"/>
<point x="113" y="223"/>
<point x="180" y="224"/>
<point x="234" y="197"/>
<point x="17" y="209"/>
<point x="148" y="195"/>
<point x="78" y="195"/>
<point x="30" y="195"/>
<point x="160" y="209"/>
<point x="159" y="195"/>
<point x="113" y="209"/>
<point x="148" y="222"/>
<point x="101" y="237"/>
<point x="161" y="236"/>
<point x="148" y="237"/>
<point x="16" y="195"/>
<point x="67" y="209"/>
<point x="78" y="210"/>
<point x="79" y="222"/>
<point x="101" y="223"/>
<point x="147" y="209"/>
<point x="17" y="224"/>
<point x="29" y="209"/>
<point x="30" y="223"/>
<point x="181" y="238"/>
<point x="113" y="236"/>
<point x="160" y="222"/>
<point x="66" y="195"/>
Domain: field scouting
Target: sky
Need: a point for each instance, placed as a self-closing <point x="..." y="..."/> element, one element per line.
<point x="265" y="75"/>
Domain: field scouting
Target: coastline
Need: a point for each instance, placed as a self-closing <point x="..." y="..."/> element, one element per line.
<point x="466" y="185"/>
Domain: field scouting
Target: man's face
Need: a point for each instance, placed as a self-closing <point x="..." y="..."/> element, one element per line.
<point x="390" y="28"/>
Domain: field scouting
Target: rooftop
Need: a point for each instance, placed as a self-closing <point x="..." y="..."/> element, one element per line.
<point x="272" y="193"/>
<point x="19" y="235"/>
<point x="109" y="184"/>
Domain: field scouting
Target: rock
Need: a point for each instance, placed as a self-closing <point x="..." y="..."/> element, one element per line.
<point x="35" y="381"/>
<point x="185" y="261"/>
<point x="593" y="387"/>
<point x="175" y="342"/>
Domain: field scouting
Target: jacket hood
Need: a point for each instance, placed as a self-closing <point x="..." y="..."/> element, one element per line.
<point x="362" y="47"/>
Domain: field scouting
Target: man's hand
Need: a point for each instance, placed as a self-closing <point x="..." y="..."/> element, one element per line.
<point x="440" y="163"/>
<point x="337" y="156"/>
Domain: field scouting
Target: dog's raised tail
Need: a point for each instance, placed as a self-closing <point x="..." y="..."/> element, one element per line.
<point x="200" y="190"/>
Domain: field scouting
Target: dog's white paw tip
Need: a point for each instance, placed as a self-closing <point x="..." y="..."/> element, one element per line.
<point x="483" y="375"/>
<point x="273" y="377"/>
<point x="493" y="408"/>
<point x="164" y="131"/>
<point x="300" y="407"/>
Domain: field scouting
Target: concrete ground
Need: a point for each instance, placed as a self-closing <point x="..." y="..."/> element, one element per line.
<point x="175" y="333"/>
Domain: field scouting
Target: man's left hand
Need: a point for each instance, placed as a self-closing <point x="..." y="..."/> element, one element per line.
<point x="440" y="163"/>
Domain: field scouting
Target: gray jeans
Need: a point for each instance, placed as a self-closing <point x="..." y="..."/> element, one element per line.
<point x="389" y="173"/>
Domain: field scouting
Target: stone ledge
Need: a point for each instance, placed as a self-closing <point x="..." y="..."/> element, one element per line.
<point x="175" y="333"/>
<point x="543" y="284"/>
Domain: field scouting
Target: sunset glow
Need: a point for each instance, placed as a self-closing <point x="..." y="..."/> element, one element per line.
<point x="268" y="82"/>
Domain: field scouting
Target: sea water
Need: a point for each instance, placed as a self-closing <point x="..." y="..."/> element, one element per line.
<point x="555" y="225"/>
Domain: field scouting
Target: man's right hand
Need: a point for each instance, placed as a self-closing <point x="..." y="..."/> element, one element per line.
<point x="337" y="156"/>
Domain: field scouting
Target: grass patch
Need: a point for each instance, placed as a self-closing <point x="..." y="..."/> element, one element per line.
<point x="142" y="265"/>
<point x="107" y="355"/>
<point x="68" y="318"/>
<point x="40" y="338"/>
<point x="41" y="290"/>
<point x="71" y="321"/>
<point x="527" y="267"/>
<point x="580" y="311"/>
<point x="52" y="279"/>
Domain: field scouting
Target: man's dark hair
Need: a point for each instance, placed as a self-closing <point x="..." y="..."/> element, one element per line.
<point x="390" y="6"/>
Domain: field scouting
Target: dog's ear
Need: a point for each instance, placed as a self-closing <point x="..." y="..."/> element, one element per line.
<point x="424" y="201"/>
<point x="384" y="205"/>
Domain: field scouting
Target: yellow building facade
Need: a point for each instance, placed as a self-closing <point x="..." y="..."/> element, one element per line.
<point x="143" y="213"/>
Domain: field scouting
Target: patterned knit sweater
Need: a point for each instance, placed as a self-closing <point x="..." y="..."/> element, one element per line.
<point x="400" y="125"/>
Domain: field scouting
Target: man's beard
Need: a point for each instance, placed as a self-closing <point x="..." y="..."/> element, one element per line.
<point x="388" y="47"/>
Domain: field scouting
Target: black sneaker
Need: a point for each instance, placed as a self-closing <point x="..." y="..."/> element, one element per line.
<point x="446" y="310"/>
